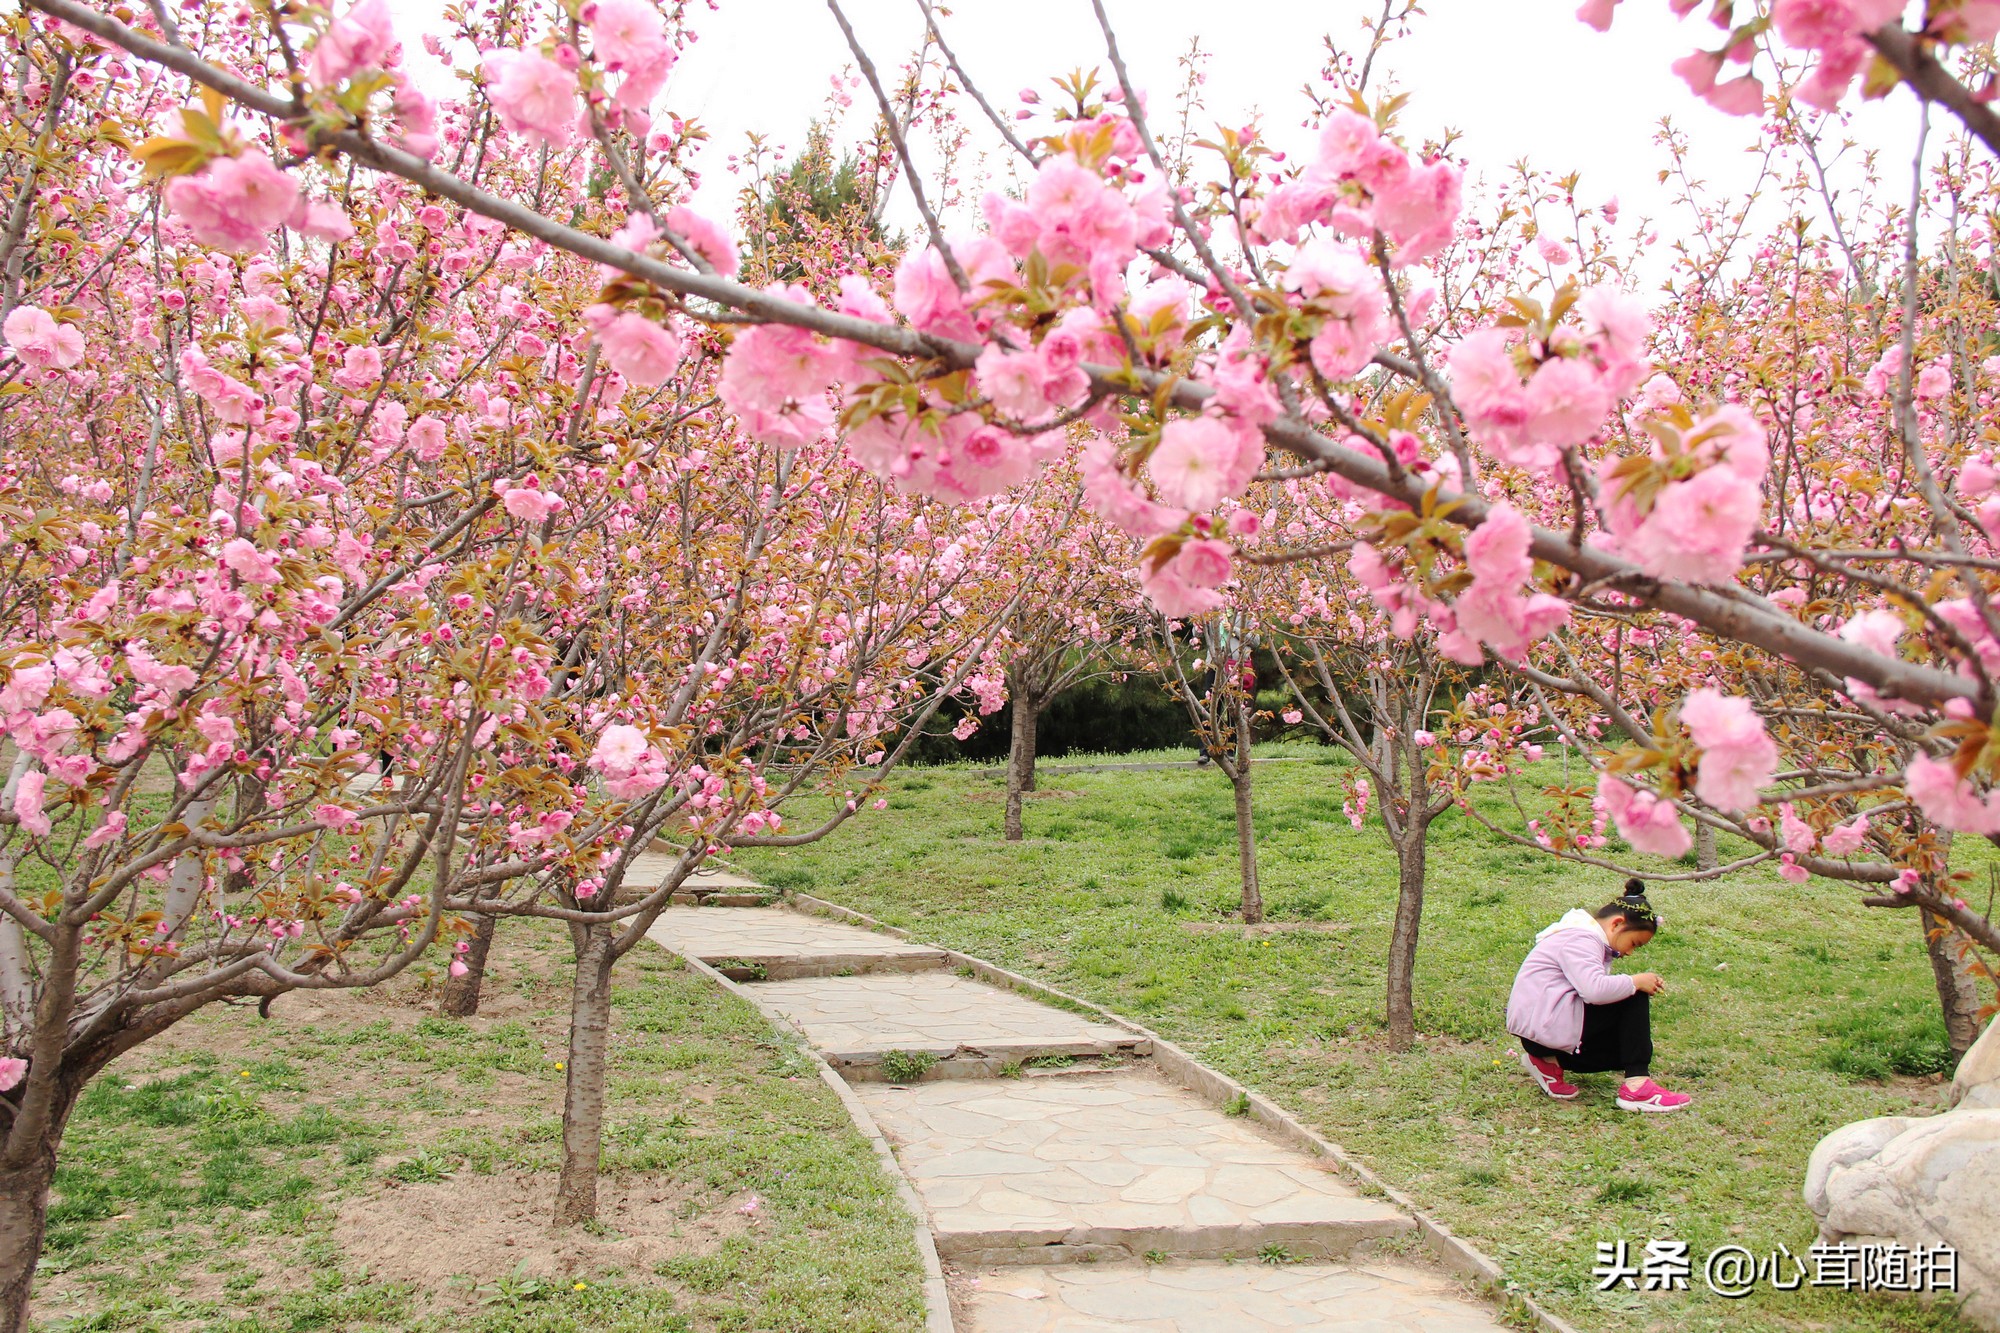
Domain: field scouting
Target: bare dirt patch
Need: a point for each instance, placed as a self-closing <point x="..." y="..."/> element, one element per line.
<point x="486" y="1227"/>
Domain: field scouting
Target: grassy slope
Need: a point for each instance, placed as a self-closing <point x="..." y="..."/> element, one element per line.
<point x="310" y="1172"/>
<point x="1780" y="998"/>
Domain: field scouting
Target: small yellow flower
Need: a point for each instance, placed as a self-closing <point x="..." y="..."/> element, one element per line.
<point x="243" y="1073"/>
<point x="559" y="1064"/>
<point x="580" y="1286"/>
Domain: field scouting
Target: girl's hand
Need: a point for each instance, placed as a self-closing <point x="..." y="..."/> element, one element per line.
<point x="1649" y="982"/>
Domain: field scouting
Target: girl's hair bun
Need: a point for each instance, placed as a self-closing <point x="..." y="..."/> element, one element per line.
<point x="1635" y="888"/>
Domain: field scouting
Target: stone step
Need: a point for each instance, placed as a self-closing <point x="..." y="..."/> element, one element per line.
<point x="1207" y="1297"/>
<point x="1112" y="1168"/>
<point x="954" y="1027"/>
<point x="776" y="944"/>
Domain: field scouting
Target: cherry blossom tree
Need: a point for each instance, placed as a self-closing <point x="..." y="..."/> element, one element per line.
<point x="355" y="592"/>
<point x="1207" y="665"/>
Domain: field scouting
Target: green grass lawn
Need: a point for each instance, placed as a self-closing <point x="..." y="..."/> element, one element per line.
<point x="358" y="1163"/>
<point x="1790" y="1010"/>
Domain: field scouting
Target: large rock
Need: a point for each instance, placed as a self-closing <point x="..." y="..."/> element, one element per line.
<point x="1923" y="1181"/>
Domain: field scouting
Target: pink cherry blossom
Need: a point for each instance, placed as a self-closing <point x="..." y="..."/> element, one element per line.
<point x="148" y="671"/>
<point x="1567" y="401"/>
<point x="1495" y="610"/>
<point x="12" y="1070"/>
<point x="533" y="96"/>
<point x="427" y="436"/>
<point x="234" y="203"/>
<point x="1699" y="528"/>
<point x="775" y="379"/>
<point x="251" y="565"/>
<point x="1648" y="822"/>
<point x="628" y="33"/>
<point x="1846" y="839"/>
<point x="1110" y="494"/>
<point x="644" y="352"/>
<point x="926" y="295"/>
<point x="1167" y="588"/>
<point x="619" y="748"/>
<point x="1797" y="835"/>
<point x="328" y="815"/>
<point x="1205" y="563"/>
<point x="1080" y="219"/>
<point x="113" y="825"/>
<point x="362" y="38"/>
<point x="1949" y="800"/>
<point x="28" y="803"/>
<point x="1197" y="464"/>
<point x="1597" y="13"/>
<point x="40" y="341"/>
<point x="528" y="501"/>
<point x="1738" y="755"/>
<point x="705" y="238"/>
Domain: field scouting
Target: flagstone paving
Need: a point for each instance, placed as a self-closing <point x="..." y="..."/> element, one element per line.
<point x="787" y="944"/>
<point x="1045" y="1189"/>
<point x="856" y="1020"/>
<point x="1111" y="1166"/>
<point x="1222" y="1298"/>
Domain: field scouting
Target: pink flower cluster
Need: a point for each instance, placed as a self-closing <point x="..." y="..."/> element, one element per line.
<point x="631" y="766"/>
<point x="645" y="352"/>
<point x="362" y="39"/>
<point x="1737" y="755"/>
<point x="1573" y="378"/>
<point x="776" y="378"/>
<point x="1338" y="283"/>
<point x="235" y="203"/>
<point x="631" y="41"/>
<point x="534" y="96"/>
<point x="1833" y="31"/>
<point x="1647" y="820"/>
<point x="1073" y="216"/>
<point x="1363" y="182"/>
<point x="1696" y="526"/>
<point x="39" y="341"/>
<point x="1188" y="583"/>
<point x="1949" y="800"/>
<point x="1494" y="610"/>
<point x="527" y="500"/>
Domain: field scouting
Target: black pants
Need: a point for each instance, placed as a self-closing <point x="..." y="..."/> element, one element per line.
<point x="1615" y="1036"/>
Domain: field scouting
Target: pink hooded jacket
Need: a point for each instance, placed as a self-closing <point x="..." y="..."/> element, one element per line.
<point x="1569" y="967"/>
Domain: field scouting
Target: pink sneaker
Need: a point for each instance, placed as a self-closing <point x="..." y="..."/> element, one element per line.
<point x="1549" y="1075"/>
<point x="1651" y="1098"/>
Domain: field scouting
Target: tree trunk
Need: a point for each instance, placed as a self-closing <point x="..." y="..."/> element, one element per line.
<point x="1402" y="1003"/>
<point x="1958" y="991"/>
<point x="1704" y="846"/>
<point x="25" y="1177"/>
<point x="1020" y="760"/>
<point x="1246" y="824"/>
<point x="1246" y="851"/>
<point x="583" y="1096"/>
<point x="24" y="1208"/>
<point x="461" y="994"/>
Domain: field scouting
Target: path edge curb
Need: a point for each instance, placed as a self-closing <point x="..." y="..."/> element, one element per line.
<point x="937" y="1296"/>
<point x="1458" y="1255"/>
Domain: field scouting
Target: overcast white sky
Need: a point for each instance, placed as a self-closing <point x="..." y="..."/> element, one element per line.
<point x="1519" y="78"/>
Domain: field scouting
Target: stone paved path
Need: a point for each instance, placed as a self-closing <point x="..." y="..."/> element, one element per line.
<point x="1045" y="1187"/>
<point x="788" y="944"/>
<point x="857" y="1020"/>
<point x="1113" y="1165"/>
<point x="1223" y="1298"/>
